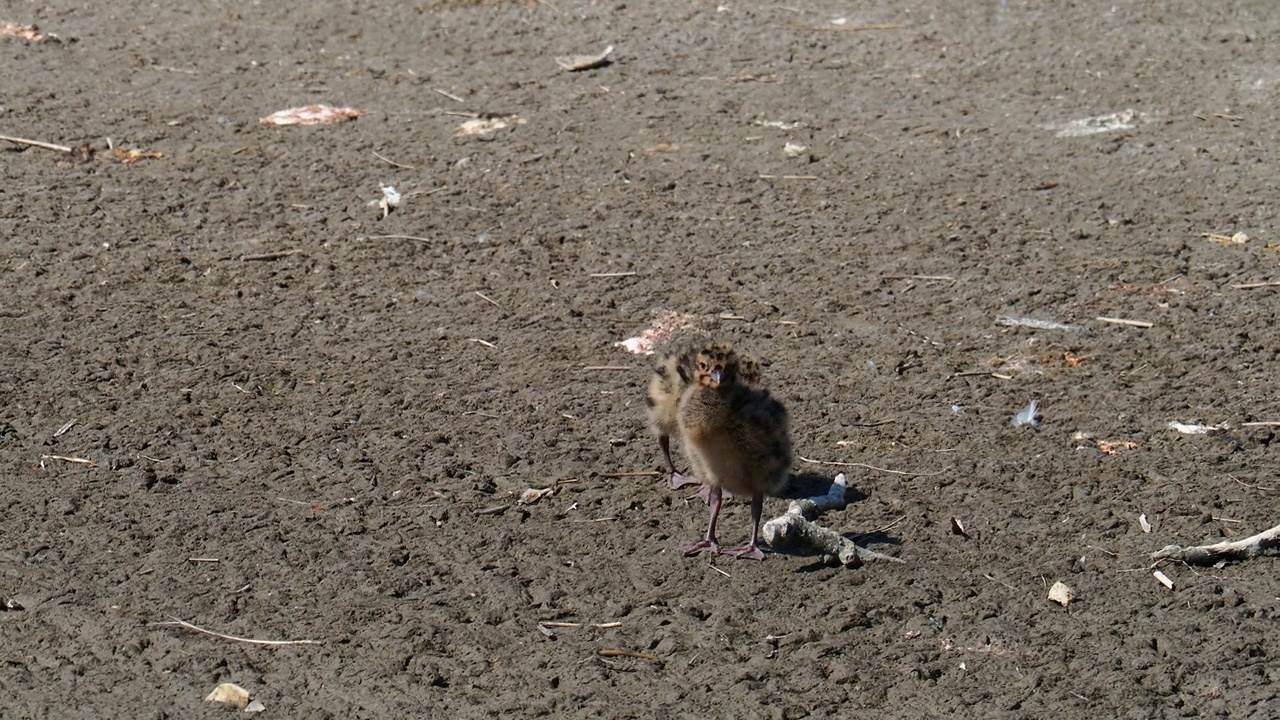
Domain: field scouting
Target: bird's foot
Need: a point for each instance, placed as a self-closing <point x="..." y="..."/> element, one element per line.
<point x="690" y="549"/>
<point x="679" y="480"/>
<point x="745" y="552"/>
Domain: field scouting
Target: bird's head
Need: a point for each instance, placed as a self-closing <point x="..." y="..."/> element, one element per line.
<point x="717" y="366"/>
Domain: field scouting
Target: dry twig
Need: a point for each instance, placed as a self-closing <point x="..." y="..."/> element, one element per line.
<point x="1212" y="554"/>
<point x="795" y="528"/>
<point x="251" y="641"/>
<point x="36" y="143"/>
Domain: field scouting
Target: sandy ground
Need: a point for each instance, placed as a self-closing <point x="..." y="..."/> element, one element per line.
<point x="309" y="422"/>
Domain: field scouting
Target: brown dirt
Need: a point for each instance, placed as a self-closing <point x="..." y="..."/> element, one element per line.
<point x="328" y="427"/>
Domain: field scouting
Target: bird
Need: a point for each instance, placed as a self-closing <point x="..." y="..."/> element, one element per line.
<point x="737" y="437"/>
<point x="673" y="375"/>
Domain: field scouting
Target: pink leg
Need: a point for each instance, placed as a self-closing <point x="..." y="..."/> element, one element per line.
<point x="751" y="551"/>
<point x="708" y="543"/>
<point x="677" y="479"/>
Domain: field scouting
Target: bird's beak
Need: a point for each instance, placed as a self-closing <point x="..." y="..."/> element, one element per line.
<point x="717" y="375"/>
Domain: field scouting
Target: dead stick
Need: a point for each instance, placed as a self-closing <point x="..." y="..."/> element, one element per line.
<point x="836" y="463"/>
<point x="400" y="237"/>
<point x="1211" y="554"/>
<point x="189" y="626"/>
<point x="65" y="458"/>
<point x="629" y="653"/>
<point x="36" y="143"/>
<point x="269" y="256"/>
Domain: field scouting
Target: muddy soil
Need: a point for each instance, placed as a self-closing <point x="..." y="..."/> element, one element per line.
<point x="232" y="393"/>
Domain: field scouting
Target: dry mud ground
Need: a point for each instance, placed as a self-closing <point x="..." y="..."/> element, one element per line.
<point x="263" y="378"/>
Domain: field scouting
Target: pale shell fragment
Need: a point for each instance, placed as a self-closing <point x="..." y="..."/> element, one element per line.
<point x="318" y="114"/>
<point x="574" y="63"/>
<point x="794" y="149"/>
<point x="229" y="694"/>
<point x="532" y="495"/>
<point x="487" y="125"/>
<point x="1190" y="429"/>
<point x="1061" y="594"/>
<point x="660" y="329"/>
<point x="1164" y="579"/>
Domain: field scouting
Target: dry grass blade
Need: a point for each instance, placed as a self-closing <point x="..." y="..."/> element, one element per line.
<point x="36" y="143"/>
<point x="835" y="463"/>
<point x="251" y="641"/>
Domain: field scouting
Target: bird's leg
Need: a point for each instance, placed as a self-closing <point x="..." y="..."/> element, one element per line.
<point x="708" y="543"/>
<point x="678" y="479"/>
<point x="751" y="551"/>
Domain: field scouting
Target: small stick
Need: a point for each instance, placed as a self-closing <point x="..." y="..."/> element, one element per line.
<point x="1251" y="487"/>
<point x="449" y="95"/>
<point x="391" y="162"/>
<point x="869" y="467"/>
<point x="485" y="343"/>
<point x="1267" y="423"/>
<point x="66" y="458"/>
<point x="62" y="430"/>
<point x="269" y="256"/>
<point x="36" y="143"/>
<point x="855" y="28"/>
<point x="789" y="177"/>
<point x="648" y="473"/>
<point x="495" y="510"/>
<point x="917" y="277"/>
<point x="1251" y="286"/>
<point x="189" y="626"/>
<point x="487" y="299"/>
<point x="973" y="373"/>
<point x="611" y="274"/>
<point x="400" y="237"/>
<point x="629" y="653"/>
<point x="877" y="423"/>
<point x="1125" y="321"/>
<point x="592" y="368"/>
<point x="204" y="560"/>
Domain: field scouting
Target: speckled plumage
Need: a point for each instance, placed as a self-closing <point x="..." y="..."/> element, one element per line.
<point x="737" y="437"/>
<point x="673" y="375"/>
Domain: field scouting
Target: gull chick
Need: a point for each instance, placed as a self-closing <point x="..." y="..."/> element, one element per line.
<point x="673" y="375"/>
<point x="737" y="437"/>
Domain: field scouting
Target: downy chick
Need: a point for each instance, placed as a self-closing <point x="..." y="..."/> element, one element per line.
<point x="673" y="375"/>
<point x="737" y="438"/>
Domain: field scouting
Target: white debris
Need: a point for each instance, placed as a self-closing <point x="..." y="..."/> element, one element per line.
<point x="483" y="127"/>
<point x="1187" y="429"/>
<point x="660" y="329"/>
<point x="229" y="694"/>
<point x="1123" y="120"/>
<point x="793" y="150"/>
<point x="1037" y="324"/>
<point x="390" y="200"/>
<point x="318" y="114"/>
<point x="574" y="63"/>
<point x="1061" y="594"/>
<point x="1028" y="415"/>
